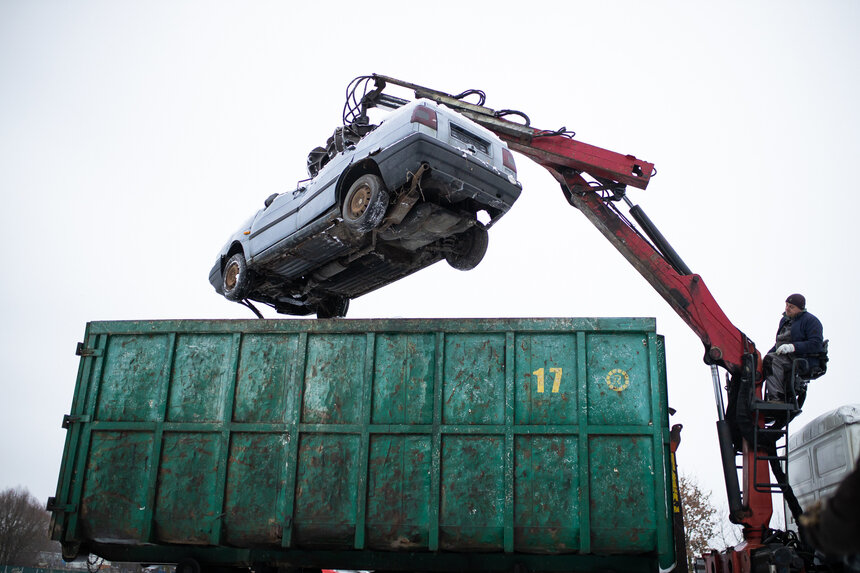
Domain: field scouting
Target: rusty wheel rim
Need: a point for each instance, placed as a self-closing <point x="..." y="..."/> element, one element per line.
<point x="359" y="201"/>
<point x="231" y="277"/>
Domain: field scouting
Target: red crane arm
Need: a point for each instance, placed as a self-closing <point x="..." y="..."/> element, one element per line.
<point x="687" y="294"/>
<point x="567" y="159"/>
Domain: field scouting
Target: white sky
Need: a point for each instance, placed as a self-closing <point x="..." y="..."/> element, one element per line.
<point x="135" y="137"/>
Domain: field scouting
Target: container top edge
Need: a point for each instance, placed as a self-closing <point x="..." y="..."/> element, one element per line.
<point x="588" y="324"/>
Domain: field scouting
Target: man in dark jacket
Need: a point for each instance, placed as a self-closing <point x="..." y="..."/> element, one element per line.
<point x="799" y="335"/>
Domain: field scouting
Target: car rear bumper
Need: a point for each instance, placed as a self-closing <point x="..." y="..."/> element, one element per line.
<point x="467" y="175"/>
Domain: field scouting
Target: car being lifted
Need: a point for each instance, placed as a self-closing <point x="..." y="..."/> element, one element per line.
<point x="383" y="202"/>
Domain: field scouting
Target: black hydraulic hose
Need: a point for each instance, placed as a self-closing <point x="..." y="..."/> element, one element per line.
<point x="482" y="97"/>
<point x="253" y="308"/>
<point x="659" y="240"/>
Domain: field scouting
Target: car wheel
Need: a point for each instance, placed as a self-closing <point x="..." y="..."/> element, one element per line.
<point x="365" y="203"/>
<point x="333" y="307"/>
<point x="235" y="278"/>
<point x="469" y="249"/>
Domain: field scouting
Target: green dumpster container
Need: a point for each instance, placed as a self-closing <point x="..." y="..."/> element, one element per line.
<point x="392" y="445"/>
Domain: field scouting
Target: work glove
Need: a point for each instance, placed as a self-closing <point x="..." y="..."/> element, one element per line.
<point x="785" y="349"/>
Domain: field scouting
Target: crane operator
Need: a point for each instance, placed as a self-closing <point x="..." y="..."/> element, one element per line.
<point x="799" y="335"/>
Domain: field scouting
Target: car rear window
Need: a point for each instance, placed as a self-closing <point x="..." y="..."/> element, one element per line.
<point x="461" y="134"/>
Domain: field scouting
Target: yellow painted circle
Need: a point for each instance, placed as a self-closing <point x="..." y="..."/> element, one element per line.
<point x="617" y="379"/>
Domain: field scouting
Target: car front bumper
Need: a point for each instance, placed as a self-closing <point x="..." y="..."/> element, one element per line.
<point x="215" y="277"/>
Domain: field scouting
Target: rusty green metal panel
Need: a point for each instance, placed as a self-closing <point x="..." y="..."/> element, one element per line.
<point x="403" y="378"/>
<point x="252" y="508"/>
<point x="117" y="469"/>
<point x="547" y="497"/>
<point x="371" y="444"/>
<point x="186" y="503"/>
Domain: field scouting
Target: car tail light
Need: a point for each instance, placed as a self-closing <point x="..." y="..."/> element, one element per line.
<point x="508" y="159"/>
<point x="425" y="116"/>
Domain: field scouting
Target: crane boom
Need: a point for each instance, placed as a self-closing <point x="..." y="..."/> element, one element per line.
<point x="567" y="160"/>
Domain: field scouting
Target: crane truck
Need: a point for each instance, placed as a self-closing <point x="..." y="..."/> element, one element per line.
<point x="594" y="180"/>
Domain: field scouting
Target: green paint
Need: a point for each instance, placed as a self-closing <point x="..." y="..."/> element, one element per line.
<point x="474" y="385"/>
<point x="398" y="492"/>
<point x="114" y="495"/>
<point x="134" y="372"/>
<point x="471" y="512"/>
<point x="252" y="514"/>
<point x="623" y="500"/>
<point x="555" y="354"/>
<point x="547" y="493"/>
<point x="185" y="507"/>
<point x="625" y="357"/>
<point x="403" y="379"/>
<point x="265" y="362"/>
<point x="349" y="443"/>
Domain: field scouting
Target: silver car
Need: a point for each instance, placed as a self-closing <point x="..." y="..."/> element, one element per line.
<point x="383" y="202"/>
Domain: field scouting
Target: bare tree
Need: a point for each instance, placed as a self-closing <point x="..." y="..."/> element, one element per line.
<point x="24" y="527"/>
<point x="729" y="534"/>
<point x="701" y="520"/>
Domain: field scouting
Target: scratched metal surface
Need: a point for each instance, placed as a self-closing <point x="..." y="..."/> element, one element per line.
<point x="543" y="437"/>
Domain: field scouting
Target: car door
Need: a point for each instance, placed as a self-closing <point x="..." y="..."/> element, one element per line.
<point x="275" y="222"/>
<point x="322" y="196"/>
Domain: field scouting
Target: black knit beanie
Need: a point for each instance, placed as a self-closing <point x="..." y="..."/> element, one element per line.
<point x="797" y="300"/>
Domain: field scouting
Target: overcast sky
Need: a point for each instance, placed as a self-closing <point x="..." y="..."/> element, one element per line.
<point x="136" y="136"/>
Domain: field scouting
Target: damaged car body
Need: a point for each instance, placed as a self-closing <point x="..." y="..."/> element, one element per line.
<point x="383" y="202"/>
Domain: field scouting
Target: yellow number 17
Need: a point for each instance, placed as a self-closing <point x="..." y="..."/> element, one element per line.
<point x="556" y="379"/>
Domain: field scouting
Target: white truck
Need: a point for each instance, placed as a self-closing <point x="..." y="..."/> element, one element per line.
<point x="821" y="454"/>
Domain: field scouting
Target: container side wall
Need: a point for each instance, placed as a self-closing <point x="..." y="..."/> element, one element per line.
<point x="457" y="443"/>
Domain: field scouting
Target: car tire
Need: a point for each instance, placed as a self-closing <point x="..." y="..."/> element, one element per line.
<point x="333" y="307"/>
<point x="365" y="203"/>
<point x="469" y="249"/>
<point x="234" y="279"/>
